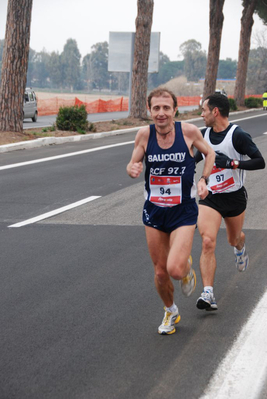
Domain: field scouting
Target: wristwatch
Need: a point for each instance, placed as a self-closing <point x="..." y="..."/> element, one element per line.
<point x="206" y="179"/>
<point x="234" y="164"/>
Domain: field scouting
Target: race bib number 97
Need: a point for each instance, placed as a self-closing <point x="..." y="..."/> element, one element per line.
<point x="221" y="180"/>
<point x="165" y="190"/>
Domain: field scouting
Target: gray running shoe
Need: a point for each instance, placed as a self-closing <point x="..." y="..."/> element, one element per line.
<point x="207" y="301"/>
<point x="188" y="283"/>
<point x="241" y="259"/>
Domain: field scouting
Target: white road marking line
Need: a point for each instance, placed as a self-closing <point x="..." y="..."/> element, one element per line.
<point x="241" y="119"/>
<point x="249" y="117"/>
<point x="243" y="372"/>
<point x="55" y="212"/>
<point x="71" y="154"/>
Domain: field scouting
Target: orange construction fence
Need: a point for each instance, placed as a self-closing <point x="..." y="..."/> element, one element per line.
<point x="51" y="106"/>
<point x="188" y="100"/>
<point x="95" y="107"/>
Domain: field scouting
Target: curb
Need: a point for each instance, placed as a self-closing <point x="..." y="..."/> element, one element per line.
<point x="24" y="145"/>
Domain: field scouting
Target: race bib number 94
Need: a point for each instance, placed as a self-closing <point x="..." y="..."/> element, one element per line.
<point x="165" y="190"/>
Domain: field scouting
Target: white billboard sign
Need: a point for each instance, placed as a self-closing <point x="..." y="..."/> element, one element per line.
<point x="121" y="47"/>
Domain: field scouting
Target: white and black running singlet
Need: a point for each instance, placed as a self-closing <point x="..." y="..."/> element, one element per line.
<point x="225" y="180"/>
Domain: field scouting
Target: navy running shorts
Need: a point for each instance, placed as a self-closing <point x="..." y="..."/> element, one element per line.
<point x="227" y="204"/>
<point x="167" y="219"/>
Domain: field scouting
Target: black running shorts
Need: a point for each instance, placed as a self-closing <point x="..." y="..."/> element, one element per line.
<point x="227" y="204"/>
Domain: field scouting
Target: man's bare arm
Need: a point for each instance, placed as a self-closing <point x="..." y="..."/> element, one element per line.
<point x="202" y="146"/>
<point x="194" y="138"/>
<point x="135" y="166"/>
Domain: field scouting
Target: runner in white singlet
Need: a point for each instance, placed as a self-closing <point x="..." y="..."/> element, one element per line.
<point x="235" y="153"/>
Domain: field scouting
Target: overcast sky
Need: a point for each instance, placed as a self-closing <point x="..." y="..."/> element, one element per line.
<point x="90" y="21"/>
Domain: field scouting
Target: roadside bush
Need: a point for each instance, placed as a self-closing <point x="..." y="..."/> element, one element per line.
<point x="91" y="127"/>
<point x="253" y="102"/>
<point x="232" y="103"/>
<point x="72" y="118"/>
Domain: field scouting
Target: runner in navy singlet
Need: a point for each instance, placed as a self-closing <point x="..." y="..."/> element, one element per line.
<point x="170" y="210"/>
<point x="227" y="196"/>
<point x="173" y="167"/>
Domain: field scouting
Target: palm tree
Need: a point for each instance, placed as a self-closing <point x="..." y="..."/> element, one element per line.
<point x="15" y="65"/>
<point x="215" y="34"/>
<point x="143" y="25"/>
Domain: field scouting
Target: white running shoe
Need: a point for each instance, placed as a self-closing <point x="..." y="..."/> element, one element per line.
<point x="241" y="259"/>
<point x="188" y="283"/>
<point x="169" y="320"/>
<point x="207" y="301"/>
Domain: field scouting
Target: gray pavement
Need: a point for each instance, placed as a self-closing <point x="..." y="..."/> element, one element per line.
<point x="114" y="209"/>
<point x="79" y="310"/>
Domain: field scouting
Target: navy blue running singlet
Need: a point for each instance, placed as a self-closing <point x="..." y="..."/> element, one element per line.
<point x="169" y="175"/>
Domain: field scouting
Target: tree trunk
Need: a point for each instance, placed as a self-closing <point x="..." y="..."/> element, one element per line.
<point x="14" y="65"/>
<point x="215" y="34"/>
<point x="143" y="25"/>
<point x="243" y="53"/>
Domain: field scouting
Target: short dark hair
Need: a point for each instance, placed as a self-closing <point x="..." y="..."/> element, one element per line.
<point x="221" y="102"/>
<point x="159" y="92"/>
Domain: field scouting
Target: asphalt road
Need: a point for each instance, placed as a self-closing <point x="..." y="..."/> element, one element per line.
<point x="79" y="312"/>
<point x="49" y="120"/>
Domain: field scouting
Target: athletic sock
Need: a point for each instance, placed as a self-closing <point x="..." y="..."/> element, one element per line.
<point x="208" y="288"/>
<point x="172" y="308"/>
<point x="240" y="251"/>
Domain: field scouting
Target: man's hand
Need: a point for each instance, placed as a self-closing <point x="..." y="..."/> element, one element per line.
<point x="222" y="161"/>
<point x="202" y="189"/>
<point x="135" y="169"/>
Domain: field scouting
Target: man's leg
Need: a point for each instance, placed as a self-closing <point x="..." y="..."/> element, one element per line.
<point x="179" y="260"/>
<point x="236" y="238"/>
<point x="209" y="221"/>
<point x="181" y="241"/>
<point x="158" y="245"/>
<point x="235" y="235"/>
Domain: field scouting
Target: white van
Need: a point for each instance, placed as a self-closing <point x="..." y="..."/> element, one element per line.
<point x="30" y="105"/>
